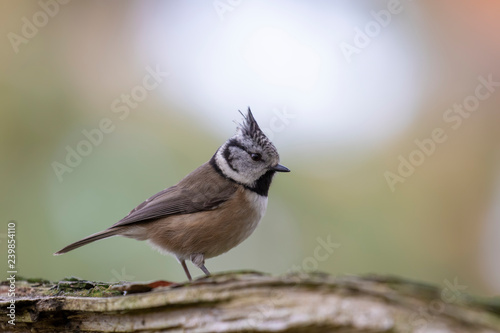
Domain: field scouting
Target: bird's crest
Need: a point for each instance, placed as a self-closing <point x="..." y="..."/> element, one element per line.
<point x="251" y="129"/>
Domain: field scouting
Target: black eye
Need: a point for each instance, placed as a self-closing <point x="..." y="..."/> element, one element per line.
<point x="256" y="156"/>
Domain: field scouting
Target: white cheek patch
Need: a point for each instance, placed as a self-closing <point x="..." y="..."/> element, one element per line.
<point x="229" y="172"/>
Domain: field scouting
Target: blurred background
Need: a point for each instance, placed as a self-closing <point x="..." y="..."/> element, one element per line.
<point x="104" y="103"/>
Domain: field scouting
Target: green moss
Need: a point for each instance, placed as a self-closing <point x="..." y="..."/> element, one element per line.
<point x="101" y="291"/>
<point x="71" y="278"/>
<point x="82" y="288"/>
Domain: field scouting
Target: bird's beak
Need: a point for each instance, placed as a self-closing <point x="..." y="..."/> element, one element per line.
<point x="280" y="168"/>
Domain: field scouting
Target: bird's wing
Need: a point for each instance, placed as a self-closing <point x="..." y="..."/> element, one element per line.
<point x="203" y="189"/>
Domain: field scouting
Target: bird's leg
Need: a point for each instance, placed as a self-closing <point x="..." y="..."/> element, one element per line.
<point x="199" y="260"/>
<point x="183" y="263"/>
<point x="205" y="270"/>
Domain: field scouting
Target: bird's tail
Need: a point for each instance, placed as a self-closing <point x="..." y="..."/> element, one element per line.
<point x="92" y="238"/>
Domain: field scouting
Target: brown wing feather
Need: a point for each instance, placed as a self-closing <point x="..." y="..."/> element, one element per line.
<point x="203" y="189"/>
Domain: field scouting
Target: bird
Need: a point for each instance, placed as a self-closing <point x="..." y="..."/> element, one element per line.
<point x="212" y="209"/>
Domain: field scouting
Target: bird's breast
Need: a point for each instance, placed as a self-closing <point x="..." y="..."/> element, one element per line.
<point x="210" y="232"/>
<point x="257" y="205"/>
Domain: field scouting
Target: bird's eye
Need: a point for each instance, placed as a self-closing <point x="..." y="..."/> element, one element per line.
<point x="256" y="156"/>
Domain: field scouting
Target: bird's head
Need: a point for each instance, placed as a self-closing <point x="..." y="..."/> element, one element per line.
<point x="249" y="154"/>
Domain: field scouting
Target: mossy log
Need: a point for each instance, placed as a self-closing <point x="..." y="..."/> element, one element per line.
<point x="247" y="302"/>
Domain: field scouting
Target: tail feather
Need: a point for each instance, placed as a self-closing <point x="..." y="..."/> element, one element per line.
<point x="92" y="238"/>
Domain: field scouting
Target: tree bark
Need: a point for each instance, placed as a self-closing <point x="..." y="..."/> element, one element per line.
<point x="248" y="302"/>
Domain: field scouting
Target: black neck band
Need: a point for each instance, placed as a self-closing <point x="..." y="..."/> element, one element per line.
<point x="261" y="186"/>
